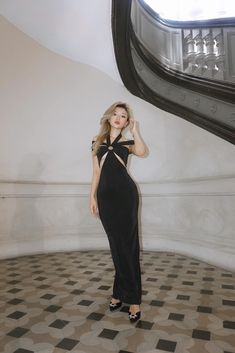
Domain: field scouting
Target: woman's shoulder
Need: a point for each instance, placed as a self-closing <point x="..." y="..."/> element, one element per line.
<point x="124" y="138"/>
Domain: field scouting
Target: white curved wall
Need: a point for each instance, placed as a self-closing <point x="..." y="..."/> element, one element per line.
<point x="79" y="30"/>
<point x="50" y="110"/>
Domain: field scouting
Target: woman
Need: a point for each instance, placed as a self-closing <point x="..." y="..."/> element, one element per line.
<point x="114" y="198"/>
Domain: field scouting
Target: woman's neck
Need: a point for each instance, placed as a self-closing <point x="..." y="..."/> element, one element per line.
<point x="114" y="133"/>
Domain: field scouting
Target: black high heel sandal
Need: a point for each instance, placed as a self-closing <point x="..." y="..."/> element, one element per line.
<point x="114" y="306"/>
<point x="134" y="317"/>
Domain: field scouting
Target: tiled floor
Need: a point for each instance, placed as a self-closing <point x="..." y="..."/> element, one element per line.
<point x="59" y="303"/>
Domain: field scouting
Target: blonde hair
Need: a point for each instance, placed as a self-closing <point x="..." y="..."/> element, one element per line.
<point x="105" y="126"/>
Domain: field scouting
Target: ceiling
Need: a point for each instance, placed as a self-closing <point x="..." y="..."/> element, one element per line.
<point x="77" y="29"/>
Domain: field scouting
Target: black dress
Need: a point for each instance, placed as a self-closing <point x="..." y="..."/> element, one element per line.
<point x="118" y="201"/>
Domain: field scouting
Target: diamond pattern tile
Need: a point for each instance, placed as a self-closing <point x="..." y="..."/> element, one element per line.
<point x="166" y="345"/>
<point x="107" y="333"/>
<point x="201" y="334"/>
<point x="59" y="324"/>
<point x="18" y="332"/>
<point x="16" y="315"/>
<point x="67" y="344"/>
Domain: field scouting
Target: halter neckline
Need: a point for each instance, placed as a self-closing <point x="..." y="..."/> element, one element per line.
<point x="115" y="140"/>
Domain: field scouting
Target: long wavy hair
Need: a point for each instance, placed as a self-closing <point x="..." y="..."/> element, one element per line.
<point x="105" y="125"/>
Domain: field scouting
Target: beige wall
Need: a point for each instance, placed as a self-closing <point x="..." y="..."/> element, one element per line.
<point x="50" y="110"/>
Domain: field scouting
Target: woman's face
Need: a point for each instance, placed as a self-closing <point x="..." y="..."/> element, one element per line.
<point x="119" y="119"/>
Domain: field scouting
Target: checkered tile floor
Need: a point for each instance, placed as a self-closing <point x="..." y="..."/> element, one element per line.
<point x="58" y="303"/>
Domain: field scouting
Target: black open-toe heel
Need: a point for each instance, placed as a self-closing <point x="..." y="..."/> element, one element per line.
<point x="114" y="306"/>
<point x="134" y="317"/>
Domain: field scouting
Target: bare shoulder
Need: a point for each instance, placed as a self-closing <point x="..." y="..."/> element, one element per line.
<point x="124" y="139"/>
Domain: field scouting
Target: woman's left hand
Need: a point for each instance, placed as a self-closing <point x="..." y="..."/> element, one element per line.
<point x="133" y="126"/>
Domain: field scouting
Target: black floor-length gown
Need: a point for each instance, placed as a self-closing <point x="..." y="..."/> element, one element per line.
<point x="118" y="201"/>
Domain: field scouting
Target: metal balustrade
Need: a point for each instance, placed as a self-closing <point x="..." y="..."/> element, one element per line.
<point x="202" y="52"/>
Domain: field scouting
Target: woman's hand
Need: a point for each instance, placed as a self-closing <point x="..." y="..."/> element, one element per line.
<point x="139" y="148"/>
<point x="133" y="126"/>
<point x="94" y="207"/>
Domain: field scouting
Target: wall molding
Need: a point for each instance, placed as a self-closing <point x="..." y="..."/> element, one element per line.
<point x="223" y="185"/>
<point x="168" y="180"/>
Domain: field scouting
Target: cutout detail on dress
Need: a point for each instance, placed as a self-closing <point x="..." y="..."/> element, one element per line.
<point x="118" y="148"/>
